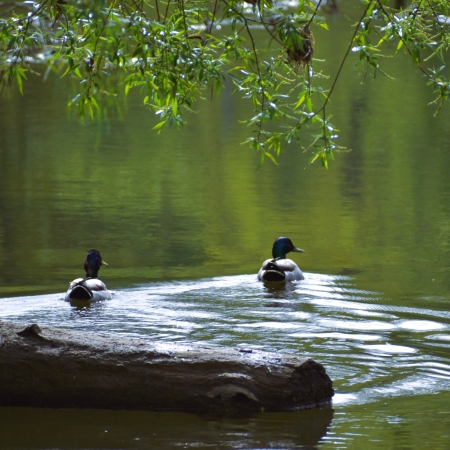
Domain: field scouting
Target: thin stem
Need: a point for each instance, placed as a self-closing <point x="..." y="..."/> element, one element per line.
<point x="263" y="94"/>
<point x="183" y="12"/>
<point x="346" y="55"/>
<point x="157" y="10"/>
<point x="388" y="16"/>
<point x="167" y="11"/>
<point x="103" y="27"/>
<point x="29" y="19"/>
<point x="315" y="12"/>
<point x="322" y="108"/>
<point x="214" y="16"/>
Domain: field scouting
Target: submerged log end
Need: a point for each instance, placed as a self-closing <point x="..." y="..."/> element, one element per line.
<point x="315" y="387"/>
<point x="290" y="385"/>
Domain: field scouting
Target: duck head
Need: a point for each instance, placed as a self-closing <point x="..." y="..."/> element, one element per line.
<point x="93" y="263"/>
<point x="282" y="246"/>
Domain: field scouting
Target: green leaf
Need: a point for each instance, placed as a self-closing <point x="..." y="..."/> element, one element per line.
<point x="91" y="112"/>
<point x="66" y="72"/>
<point x="261" y="160"/>
<point x="271" y="157"/>
<point x="300" y="100"/>
<point x="138" y="51"/>
<point x="94" y="102"/>
<point x="19" y="82"/>
<point x="159" y="125"/>
<point x="314" y="158"/>
<point x="174" y="107"/>
<point x="21" y="72"/>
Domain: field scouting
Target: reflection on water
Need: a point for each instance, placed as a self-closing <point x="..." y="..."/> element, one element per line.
<point x="145" y="430"/>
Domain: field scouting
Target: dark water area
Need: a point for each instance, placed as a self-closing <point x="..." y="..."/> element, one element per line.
<point x="184" y="221"/>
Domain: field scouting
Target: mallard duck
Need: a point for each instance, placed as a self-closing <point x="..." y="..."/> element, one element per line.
<point x="280" y="268"/>
<point x="90" y="288"/>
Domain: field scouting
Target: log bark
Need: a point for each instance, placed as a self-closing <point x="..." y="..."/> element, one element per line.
<point x="52" y="367"/>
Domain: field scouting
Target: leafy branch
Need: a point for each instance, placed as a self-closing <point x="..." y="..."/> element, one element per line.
<point x="171" y="52"/>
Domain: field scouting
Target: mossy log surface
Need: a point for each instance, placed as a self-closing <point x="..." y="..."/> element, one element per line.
<point x="52" y="367"/>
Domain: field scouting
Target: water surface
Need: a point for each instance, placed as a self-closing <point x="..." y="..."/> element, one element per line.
<point x="389" y="364"/>
<point x="184" y="221"/>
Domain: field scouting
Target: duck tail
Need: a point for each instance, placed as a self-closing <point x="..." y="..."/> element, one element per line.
<point x="80" y="291"/>
<point x="272" y="272"/>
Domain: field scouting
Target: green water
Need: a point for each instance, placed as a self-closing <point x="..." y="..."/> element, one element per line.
<point x="184" y="221"/>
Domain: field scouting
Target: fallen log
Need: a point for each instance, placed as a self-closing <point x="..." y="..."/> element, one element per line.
<point x="52" y="367"/>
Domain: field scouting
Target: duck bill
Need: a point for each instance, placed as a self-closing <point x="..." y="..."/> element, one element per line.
<point x="298" y="250"/>
<point x="105" y="264"/>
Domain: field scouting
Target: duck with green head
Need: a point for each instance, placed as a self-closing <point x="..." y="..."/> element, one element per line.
<point x="281" y="268"/>
<point x="90" y="288"/>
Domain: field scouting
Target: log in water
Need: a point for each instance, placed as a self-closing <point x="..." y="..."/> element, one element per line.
<point x="52" y="367"/>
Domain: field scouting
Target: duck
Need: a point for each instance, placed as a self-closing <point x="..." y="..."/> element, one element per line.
<point x="90" y="288"/>
<point x="280" y="268"/>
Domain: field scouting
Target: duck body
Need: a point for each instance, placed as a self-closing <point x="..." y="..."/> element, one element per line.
<point x="280" y="268"/>
<point x="90" y="288"/>
<point x="87" y="289"/>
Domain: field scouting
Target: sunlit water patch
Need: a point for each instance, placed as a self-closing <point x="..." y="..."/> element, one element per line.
<point x="370" y="348"/>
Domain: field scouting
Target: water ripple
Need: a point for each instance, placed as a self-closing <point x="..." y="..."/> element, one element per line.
<point x="370" y="348"/>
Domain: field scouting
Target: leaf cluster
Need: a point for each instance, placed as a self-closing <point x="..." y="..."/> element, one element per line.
<point x="176" y="51"/>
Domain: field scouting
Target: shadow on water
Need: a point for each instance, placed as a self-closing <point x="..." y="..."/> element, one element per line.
<point x="68" y="428"/>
